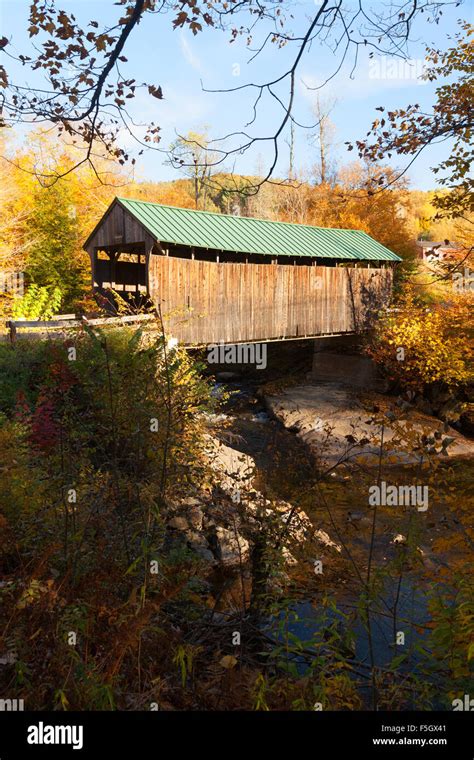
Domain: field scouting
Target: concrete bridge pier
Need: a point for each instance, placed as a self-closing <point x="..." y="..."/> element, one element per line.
<point x="339" y="359"/>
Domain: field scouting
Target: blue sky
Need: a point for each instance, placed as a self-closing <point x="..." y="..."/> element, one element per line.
<point x="179" y="62"/>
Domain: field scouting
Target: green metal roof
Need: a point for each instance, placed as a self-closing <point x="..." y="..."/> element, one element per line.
<point x="205" y="229"/>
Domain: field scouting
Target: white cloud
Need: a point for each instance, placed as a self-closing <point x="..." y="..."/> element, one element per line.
<point x="179" y="111"/>
<point x="372" y="77"/>
<point x="189" y="55"/>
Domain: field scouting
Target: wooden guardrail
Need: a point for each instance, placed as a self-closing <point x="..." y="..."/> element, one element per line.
<point x="205" y="302"/>
<point x="62" y="322"/>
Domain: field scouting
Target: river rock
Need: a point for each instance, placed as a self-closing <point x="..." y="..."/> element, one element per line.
<point x="199" y="544"/>
<point x="194" y="513"/>
<point x="399" y="539"/>
<point x="324" y="539"/>
<point x="234" y="469"/>
<point x="234" y="473"/>
<point x="334" y="423"/>
<point x="178" y="523"/>
<point x="300" y="526"/>
<point x="190" y="501"/>
<point x="467" y="421"/>
<point x="232" y="548"/>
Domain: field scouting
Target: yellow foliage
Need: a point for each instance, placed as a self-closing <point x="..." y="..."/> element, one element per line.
<point x="419" y="346"/>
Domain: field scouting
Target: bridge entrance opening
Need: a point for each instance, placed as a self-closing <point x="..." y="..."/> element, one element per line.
<point x="121" y="269"/>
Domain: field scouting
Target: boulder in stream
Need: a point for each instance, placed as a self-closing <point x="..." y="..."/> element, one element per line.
<point x="335" y="423"/>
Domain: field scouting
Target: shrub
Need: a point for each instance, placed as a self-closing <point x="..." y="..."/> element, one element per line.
<point x="38" y="303"/>
<point x="420" y="347"/>
<point x="91" y="451"/>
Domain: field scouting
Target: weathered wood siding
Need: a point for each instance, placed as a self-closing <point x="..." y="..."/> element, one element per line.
<point x="205" y="302"/>
<point x="118" y="226"/>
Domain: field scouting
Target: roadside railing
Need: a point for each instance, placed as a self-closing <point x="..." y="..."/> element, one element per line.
<point x="29" y="328"/>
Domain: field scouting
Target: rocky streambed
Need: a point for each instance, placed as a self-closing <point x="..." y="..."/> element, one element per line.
<point x="297" y="463"/>
<point x="267" y="451"/>
<point x="216" y="524"/>
<point x="332" y="420"/>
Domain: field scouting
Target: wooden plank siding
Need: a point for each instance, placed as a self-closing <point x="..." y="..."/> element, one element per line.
<point x="118" y="229"/>
<point x="204" y="302"/>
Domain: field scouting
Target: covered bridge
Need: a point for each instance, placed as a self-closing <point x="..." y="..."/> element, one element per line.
<point x="238" y="279"/>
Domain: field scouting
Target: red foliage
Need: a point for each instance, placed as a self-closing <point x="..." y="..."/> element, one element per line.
<point x="44" y="427"/>
<point x="22" y="413"/>
<point x="61" y="376"/>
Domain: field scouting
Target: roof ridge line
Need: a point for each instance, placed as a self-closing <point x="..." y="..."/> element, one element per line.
<point x="297" y="240"/>
<point x="232" y="216"/>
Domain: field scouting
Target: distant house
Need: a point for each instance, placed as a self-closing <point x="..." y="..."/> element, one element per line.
<point x="218" y="277"/>
<point x="432" y="252"/>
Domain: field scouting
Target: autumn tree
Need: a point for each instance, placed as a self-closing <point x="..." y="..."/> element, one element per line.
<point x="407" y="131"/>
<point x="55" y="259"/>
<point x="15" y="210"/>
<point x="191" y="155"/>
<point x="293" y="200"/>
<point x="323" y="140"/>
<point x="81" y="84"/>
<point x="44" y="227"/>
<point x="427" y="225"/>
<point x="383" y="216"/>
<point x="428" y="350"/>
<point x="174" y="193"/>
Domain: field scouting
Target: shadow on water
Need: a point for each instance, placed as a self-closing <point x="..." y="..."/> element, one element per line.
<point x="286" y="471"/>
<point x="412" y="615"/>
<point x="283" y="462"/>
<point x="338" y="632"/>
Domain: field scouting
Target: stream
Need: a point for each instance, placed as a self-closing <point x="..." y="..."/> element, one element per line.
<point x="285" y="471"/>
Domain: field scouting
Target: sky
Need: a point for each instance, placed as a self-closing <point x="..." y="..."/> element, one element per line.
<point x="185" y="66"/>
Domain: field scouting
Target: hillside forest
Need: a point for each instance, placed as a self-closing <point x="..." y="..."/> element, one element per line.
<point x="171" y="539"/>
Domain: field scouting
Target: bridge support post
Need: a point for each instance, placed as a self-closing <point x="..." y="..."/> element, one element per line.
<point x="339" y="360"/>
